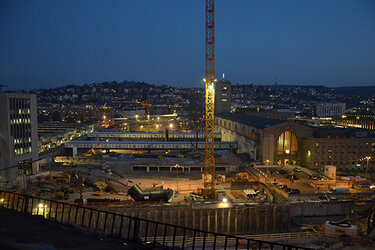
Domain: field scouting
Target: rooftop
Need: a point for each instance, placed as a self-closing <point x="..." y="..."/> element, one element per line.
<point x="255" y="121"/>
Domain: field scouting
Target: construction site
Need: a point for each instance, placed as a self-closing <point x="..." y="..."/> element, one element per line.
<point x="158" y="172"/>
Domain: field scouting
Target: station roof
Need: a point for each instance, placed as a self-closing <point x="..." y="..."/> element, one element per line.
<point x="255" y="121"/>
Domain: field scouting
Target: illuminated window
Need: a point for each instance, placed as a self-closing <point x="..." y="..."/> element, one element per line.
<point x="287" y="143"/>
<point x="252" y="136"/>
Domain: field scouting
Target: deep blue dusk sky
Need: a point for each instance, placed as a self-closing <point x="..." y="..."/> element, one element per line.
<point x="53" y="43"/>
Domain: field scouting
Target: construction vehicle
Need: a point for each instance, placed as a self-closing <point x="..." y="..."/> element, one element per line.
<point x="245" y="176"/>
<point x="242" y="177"/>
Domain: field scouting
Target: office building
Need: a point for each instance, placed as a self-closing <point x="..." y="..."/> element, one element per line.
<point x="223" y="96"/>
<point x="329" y="109"/>
<point x="18" y="137"/>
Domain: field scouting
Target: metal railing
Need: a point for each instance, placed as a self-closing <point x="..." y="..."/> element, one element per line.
<point x="130" y="228"/>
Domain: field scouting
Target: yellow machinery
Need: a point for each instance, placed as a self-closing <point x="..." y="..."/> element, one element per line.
<point x="209" y="163"/>
<point x="89" y="152"/>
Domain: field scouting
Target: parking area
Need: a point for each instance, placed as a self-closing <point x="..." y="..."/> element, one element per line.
<point x="294" y="179"/>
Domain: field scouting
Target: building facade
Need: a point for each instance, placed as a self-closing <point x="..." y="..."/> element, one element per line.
<point x="289" y="142"/>
<point x="223" y="96"/>
<point x="329" y="109"/>
<point x="18" y="136"/>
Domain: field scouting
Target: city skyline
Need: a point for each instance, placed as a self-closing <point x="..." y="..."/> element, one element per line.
<point x="52" y="44"/>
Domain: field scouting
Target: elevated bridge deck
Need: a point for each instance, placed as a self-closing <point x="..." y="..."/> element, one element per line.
<point x="150" y="136"/>
<point x="146" y="145"/>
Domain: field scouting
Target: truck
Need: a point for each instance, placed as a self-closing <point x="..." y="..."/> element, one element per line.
<point x="339" y="190"/>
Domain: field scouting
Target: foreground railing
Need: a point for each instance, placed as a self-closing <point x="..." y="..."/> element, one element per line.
<point x="130" y="228"/>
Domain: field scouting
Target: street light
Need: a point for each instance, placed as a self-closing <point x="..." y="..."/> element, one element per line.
<point x="287" y="151"/>
<point x="177" y="166"/>
<point x="368" y="159"/>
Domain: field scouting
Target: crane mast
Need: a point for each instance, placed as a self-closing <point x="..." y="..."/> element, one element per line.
<point x="209" y="163"/>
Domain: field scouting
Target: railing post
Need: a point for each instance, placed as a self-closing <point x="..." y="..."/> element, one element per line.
<point x="75" y="219"/>
<point x="135" y="230"/>
<point x="183" y="239"/>
<point x="83" y="217"/>
<point x="215" y="237"/>
<point x="97" y="220"/>
<point x="56" y="207"/>
<point x="129" y="227"/>
<point x="155" y="233"/>
<point x="146" y="230"/>
<point x="165" y="233"/>
<point x="90" y="218"/>
<point x="174" y="236"/>
<point x="18" y="201"/>
<point x="70" y="208"/>
<point x="37" y="207"/>
<point x="8" y="200"/>
<point x="120" y="231"/>
<point x="113" y="223"/>
<point x="50" y="209"/>
<point x="44" y="210"/>
<point x="14" y="195"/>
<point x="26" y="204"/>
<point x="195" y="233"/>
<point x="62" y="213"/>
<point x="204" y="240"/>
<point x="105" y="221"/>
<point x="32" y="205"/>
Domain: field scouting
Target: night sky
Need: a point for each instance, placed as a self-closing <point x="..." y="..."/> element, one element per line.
<point x="50" y="43"/>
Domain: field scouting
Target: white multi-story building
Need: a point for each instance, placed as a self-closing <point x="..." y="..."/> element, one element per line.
<point x="329" y="109"/>
<point x="18" y="137"/>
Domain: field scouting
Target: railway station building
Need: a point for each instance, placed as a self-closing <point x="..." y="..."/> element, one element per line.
<point x="275" y="141"/>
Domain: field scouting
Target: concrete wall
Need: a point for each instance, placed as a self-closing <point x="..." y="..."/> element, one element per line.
<point x="242" y="219"/>
<point x="236" y="220"/>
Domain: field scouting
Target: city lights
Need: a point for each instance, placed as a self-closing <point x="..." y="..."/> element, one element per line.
<point x="152" y="149"/>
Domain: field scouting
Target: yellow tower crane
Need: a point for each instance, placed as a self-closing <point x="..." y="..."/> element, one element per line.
<point x="209" y="163"/>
